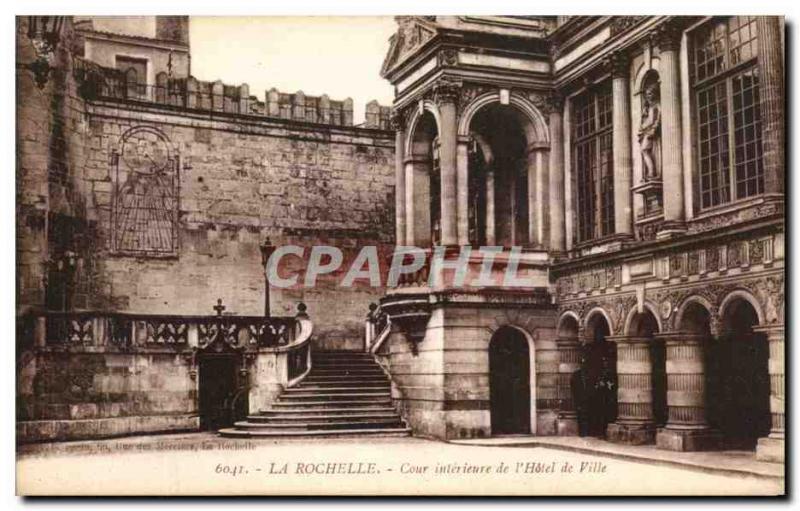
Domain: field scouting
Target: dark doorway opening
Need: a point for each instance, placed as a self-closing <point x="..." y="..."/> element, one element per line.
<point x="222" y="400"/>
<point x="596" y="392"/>
<point x="509" y="383"/>
<point x="738" y="379"/>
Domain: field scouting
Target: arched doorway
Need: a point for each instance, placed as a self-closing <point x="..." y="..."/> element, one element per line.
<point x="498" y="178"/>
<point x="510" y="382"/>
<point x="222" y="388"/>
<point x="738" y="378"/>
<point x="597" y="396"/>
<point x="645" y="324"/>
<point x="423" y="183"/>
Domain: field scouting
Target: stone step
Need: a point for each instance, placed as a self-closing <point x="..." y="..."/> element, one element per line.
<point x="325" y="410"/>
<point x="321" y="424"/>
<point x="343" y="383"/>
<point x="303" y="389"/>
<point x="334" y="403"/>
<point x="288" y="418"/>
<point x="300" y="397"/>
<point x="347" y="372"/>
<point x="329" y="433"/>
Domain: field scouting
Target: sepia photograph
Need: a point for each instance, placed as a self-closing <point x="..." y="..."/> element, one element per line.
<point x="400" y="255"/>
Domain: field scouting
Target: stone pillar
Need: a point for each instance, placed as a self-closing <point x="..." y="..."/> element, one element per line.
<point x="537" y="168"/>
<point x="446" y="96"/>
<point x="773" y="447"/>
<point x="491" y="231"/>
<point x="635" y="423"/>
<point x="418" y="210"/>
<point x="569" y="362"/>
<point x="462" y="178"/>
<point x="556" y="185"/>
<point x="686" y="428"/>
<point x="623" y="160"/>
<point x="668" y="38"/>
<point x="773" y="104"/>
<point x="399" y="178"/>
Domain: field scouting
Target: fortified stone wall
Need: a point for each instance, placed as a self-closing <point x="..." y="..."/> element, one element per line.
<point x="241" y="182"/>
<point x="292" y="168"/>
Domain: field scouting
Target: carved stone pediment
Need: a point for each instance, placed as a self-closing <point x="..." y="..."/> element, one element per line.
<point x="412" y="33"/>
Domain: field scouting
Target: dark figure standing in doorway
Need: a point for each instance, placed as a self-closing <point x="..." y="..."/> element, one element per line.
<point x="577" y="385"/>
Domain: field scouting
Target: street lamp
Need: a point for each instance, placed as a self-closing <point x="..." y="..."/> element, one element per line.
<point x="267" y="249"/>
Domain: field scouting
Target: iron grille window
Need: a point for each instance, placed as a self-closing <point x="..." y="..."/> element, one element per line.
<point x="593" y="163"/>
<point x="726" y="90"/>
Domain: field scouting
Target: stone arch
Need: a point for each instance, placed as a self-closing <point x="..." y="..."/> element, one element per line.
<point x="743" y="295"/>
<point x="536" y="130"/>
<point x="693" y="300"/>
<point x="563" y="320"/>
<point x="413" y="121"/>
<point x="532" y="364"/>
<point x="592" y="313"/>
<point x="648" y="306"/>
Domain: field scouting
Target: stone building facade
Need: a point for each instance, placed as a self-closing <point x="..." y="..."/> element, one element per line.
<point x="637" y="163"/>
<point x="629" y="169"/>
<point x="142" y="190"/>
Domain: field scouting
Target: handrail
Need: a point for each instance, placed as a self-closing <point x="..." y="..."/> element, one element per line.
<point x="302" y="342"/>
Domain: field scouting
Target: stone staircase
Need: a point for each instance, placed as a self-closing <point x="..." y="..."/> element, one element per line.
<point x="345" y="394"/>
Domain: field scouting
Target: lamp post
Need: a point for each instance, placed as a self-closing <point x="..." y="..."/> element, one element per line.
<point x="267" y="249"/>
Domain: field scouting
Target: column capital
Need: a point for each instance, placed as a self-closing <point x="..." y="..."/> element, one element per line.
<point x="629" y="339"/>
<point x="397" y="119"/>
<point x="773" y="332"/>
<point x="667" y="36"/>
<point x="447" y="91"/>
<point x="681" y="337"/>
<point x="554" y="103"/>
<point x="568" y="342"/>
<point x="618" y="62"/>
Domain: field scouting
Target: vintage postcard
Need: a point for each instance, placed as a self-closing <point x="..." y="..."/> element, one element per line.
<point x="400" y="255"/>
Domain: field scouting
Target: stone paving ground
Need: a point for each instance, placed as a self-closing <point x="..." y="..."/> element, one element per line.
<point x="204" y="464"/>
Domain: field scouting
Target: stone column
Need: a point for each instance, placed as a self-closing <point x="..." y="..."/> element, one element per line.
<point x="686" y="428"/>
<point x="399" y="178"/>
<point x="533" y="218"/>
<point x="418" y="210"/>
<point x="773" y="104"/>
<point x="635" y="423"/>
<point x="556" y="185"/>
<point x="491" y="232"/>
<point x="772" y="448"/>
<point x="462" y="178"/>
<point x="446" y="97"/>
<point x="623" y="160"/>
<point x="537" y="169"/>
<point x="569" y="362"/>
<point x="668" y="39"/>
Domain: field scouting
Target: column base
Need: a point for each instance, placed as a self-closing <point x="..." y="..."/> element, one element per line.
<point x="631" y="434"/>
<point x="567" y="426"/>
<point x="688" y="439"/>
<point x="771" y="449"/>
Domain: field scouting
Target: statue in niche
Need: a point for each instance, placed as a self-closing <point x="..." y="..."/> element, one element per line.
<point x="649" y="128"/>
